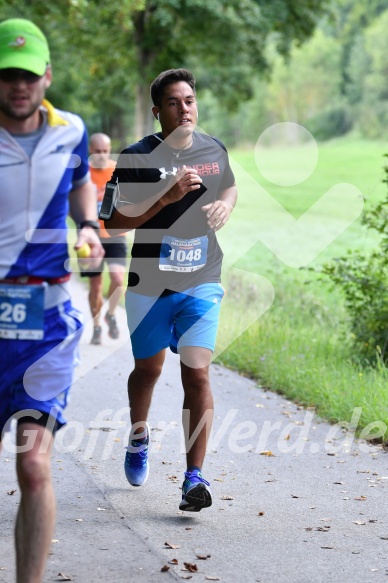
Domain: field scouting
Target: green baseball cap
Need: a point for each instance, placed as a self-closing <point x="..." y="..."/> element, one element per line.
<point x="23" y="46"/>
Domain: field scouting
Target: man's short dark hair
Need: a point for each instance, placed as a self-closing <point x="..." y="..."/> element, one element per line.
<point x="166" y="78"/>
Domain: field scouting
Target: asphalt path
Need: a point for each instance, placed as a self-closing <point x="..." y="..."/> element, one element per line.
<point x="294" y="499"/>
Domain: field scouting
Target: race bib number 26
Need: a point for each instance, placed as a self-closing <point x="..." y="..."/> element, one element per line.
<point x="21" y="311"/>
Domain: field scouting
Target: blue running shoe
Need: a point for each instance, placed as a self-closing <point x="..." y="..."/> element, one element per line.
<point x="196" y="493"/>
<point x="136" y="464"/>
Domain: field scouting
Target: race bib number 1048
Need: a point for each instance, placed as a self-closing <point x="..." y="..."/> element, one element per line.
<point x="183" y="255"/>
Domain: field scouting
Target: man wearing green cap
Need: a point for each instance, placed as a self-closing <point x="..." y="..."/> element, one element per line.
<point x="44" y="174"/>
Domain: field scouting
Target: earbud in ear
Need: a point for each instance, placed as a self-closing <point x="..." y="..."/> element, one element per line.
<point x="158" y="117"/>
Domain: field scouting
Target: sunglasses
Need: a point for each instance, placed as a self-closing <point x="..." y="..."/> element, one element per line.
<point x="12" y="75"/>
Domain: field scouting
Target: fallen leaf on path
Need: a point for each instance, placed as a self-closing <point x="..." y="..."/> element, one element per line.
<point x="360" y="522"/>
<point x="210" y="578"/>
<point x="63" y="577"/>
<point x="261" y="513"/>
<point x="165" y="568"/>
<point x="327" y="547"/>
<point x="226" y="497"/>
<point x="202" y="557"/>
<point x="173" y="478"/>
<point x="192" y="567"/>
<point x="294" y="496"/>
<point x="79" y="519"/>
<point x="268" y="453"/>
<point x="55" y="540"/>
<point x="170" y="546"/>
<point x="173" y="562"/>
<point x="11" y="492"/>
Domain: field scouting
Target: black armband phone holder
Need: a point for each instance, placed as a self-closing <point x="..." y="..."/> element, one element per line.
<point x="108" y="202"/>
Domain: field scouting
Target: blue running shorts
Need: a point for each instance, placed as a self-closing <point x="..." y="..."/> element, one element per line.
<point x="37" y="374"/>
<point x="188" y="318"/>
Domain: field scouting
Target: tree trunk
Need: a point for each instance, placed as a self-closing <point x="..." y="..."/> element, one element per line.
<point x="115" y="126"/>
<point x="144" y="120"/>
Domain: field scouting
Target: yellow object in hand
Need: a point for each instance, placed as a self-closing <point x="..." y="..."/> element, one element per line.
<point x="84" y="251"/>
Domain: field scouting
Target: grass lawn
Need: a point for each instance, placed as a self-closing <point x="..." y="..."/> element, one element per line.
<point x="300" y="345"/>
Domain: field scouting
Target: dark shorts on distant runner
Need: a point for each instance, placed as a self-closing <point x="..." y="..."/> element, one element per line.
<point x="115" y="254"/>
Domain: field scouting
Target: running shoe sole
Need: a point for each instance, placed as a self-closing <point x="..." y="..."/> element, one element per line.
<point x="197" y="498"/>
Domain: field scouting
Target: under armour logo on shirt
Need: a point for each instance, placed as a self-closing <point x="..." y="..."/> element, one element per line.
<point x="164" y="173"/>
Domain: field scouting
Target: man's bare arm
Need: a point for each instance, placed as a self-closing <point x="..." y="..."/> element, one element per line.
<point x="82" y="201"/>
<point x="218" y="212"/>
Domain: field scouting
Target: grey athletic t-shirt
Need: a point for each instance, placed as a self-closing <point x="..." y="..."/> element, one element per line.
<point x="180" y="230"/>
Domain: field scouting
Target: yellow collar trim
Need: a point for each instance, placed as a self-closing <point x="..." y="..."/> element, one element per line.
<point x="53" y="118"/>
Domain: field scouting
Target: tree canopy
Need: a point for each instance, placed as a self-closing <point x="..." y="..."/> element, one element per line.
<point x="106" y="54"/>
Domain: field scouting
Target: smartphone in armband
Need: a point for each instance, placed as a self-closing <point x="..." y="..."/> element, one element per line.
<point x="108" y="202"/>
